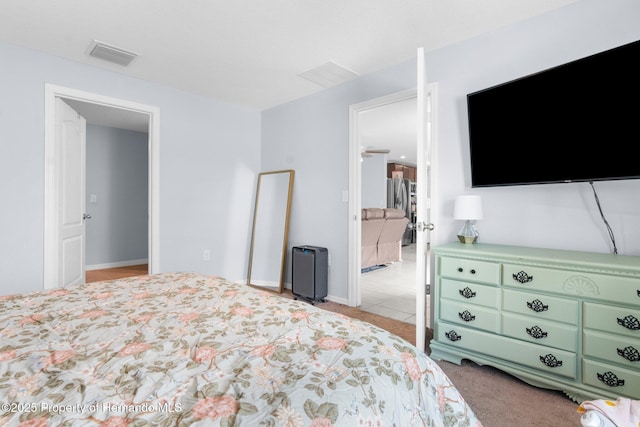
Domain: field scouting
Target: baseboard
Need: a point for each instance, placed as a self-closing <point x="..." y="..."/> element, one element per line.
<point x="116" y="264"/>
<point x="331" y="298"/>
<point x="338" y="300"/>
<point x="287" y="286"/>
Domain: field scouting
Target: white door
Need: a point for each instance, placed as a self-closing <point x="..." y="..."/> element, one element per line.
<point x="53" y="170"/>
<point x="426" y="100"/>
<point x="424" y="197"/>
<point x="71" y="153"/>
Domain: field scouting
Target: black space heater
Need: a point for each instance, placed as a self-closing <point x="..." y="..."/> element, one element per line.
<point x="309" y="270"/>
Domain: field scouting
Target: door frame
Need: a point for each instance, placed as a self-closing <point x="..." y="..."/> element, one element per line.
<point x="355" y="187"/>
<point x="51" y="170"/>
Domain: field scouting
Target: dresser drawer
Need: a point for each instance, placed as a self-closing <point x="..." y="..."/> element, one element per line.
<point x="540" y="306"/>
<point x="544" y="332"/>
<point x="615" y="348"/>
<point x="488" y="296"/>
<point x="470" y="270"/>
<point x="471" y="315"/>
<point x="545" y="359"/>
<point x="607" y="318"/>
<point x="617" y="381"/>
<point x="583" y="284"/>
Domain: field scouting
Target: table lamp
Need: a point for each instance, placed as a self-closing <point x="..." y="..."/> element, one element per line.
<point x="468" y="208"/>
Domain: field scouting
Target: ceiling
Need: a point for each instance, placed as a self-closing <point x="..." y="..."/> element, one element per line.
<point x="251" y="52"/>
<point x="97" y="114"/>
<point x="393" y="127"/>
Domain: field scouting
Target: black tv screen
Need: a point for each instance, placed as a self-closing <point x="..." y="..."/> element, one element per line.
<point x="576" y="122"/>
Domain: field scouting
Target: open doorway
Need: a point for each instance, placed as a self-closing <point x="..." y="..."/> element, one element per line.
<point x="108" y="113"/>
<point x="426" y="142"/>
<point x="117" y="186"/>
<point x="359" y="113"/>
<point x="388" y="137"/>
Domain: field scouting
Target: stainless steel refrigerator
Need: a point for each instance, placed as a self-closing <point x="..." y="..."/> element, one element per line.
<point x="399" y="197"/>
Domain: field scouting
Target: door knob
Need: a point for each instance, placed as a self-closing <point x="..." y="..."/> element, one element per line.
<point x="86" y="216"/>
<point x="423" y="226"/>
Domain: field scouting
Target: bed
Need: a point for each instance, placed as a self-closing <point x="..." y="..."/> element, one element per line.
<point x="188" y="349"/>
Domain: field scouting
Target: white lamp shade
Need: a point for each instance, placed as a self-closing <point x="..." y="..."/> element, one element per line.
<point x="468" y="206"/>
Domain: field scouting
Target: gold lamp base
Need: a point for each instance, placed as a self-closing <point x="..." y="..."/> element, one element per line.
<point x="468" y="234"/>
<point x="468" y="239"/>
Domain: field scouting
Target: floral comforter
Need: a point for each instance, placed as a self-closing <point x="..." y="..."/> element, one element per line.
<point x="186" y="349"/>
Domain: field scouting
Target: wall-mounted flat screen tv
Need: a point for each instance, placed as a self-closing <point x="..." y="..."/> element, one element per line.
<point x="579" y="121"/>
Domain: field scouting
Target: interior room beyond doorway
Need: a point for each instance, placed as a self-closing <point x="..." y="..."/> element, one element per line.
<point x="390" y="291"/>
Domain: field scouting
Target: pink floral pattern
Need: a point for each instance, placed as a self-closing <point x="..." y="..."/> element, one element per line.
<point x="215" y="407"/>
<point x="57" y="357"/>
<point x="134" y="348"/>
<point x="411" y="365"/>
<point x="205" y="354"/>
<point x="115" y="422"/>
<point x="188" y="317"/>
<point x="7" y="355"/>
<point x="188" y="349"/>
<point x="331" y="343"/>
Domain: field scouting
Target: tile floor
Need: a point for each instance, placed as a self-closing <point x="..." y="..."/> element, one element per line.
<point x="390" y="291"/>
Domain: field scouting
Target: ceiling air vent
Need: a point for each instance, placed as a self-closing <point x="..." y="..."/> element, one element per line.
<point x="111" y="53"/>
<point x="329" y="74"/>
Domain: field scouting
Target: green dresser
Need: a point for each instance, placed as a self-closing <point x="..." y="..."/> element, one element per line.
<point x="556" y="319"/>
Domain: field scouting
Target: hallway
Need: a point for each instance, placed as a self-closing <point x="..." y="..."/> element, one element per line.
<point x="116" y="273"/>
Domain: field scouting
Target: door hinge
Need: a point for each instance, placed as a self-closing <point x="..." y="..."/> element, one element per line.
<point x="427" y="289"/>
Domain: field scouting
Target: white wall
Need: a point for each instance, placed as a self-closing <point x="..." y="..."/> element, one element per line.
<point x="374" y="181"/>
<point x="311" y="136"/>
<point x="209" y="160"/>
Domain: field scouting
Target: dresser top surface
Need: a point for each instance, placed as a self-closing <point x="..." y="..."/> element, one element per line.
<point x="517" y="253"/>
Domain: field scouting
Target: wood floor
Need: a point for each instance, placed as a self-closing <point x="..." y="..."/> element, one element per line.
<point x="116" y="273"/>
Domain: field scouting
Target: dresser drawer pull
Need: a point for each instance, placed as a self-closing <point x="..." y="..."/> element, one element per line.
<point x="453" y="335"/>
<point x="467" y="292"/>
<point x="610" y="379"/>
<point x="537" y="306"/>
<point x="551" y="361"/>
<point x="466" y="316"/>
<point x="536" y="332"/>
<point x="629" y="353"/>
<point x="522" y="277"/>
<point x="630" y="322"/>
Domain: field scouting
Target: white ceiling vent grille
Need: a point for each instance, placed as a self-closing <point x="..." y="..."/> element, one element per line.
<point x="329" y="74"/>
<point x="111" y="53"/>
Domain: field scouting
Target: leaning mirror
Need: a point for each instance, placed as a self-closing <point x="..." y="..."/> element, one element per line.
<point x="269" y="238"/>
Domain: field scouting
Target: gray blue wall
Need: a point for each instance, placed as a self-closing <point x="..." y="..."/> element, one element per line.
<point x="209" y="161"/>
<point x="211" y="152"/>
<point x="311" y="135"/>
<point x="118" y="179"/>
<point x="374" y="181"/>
